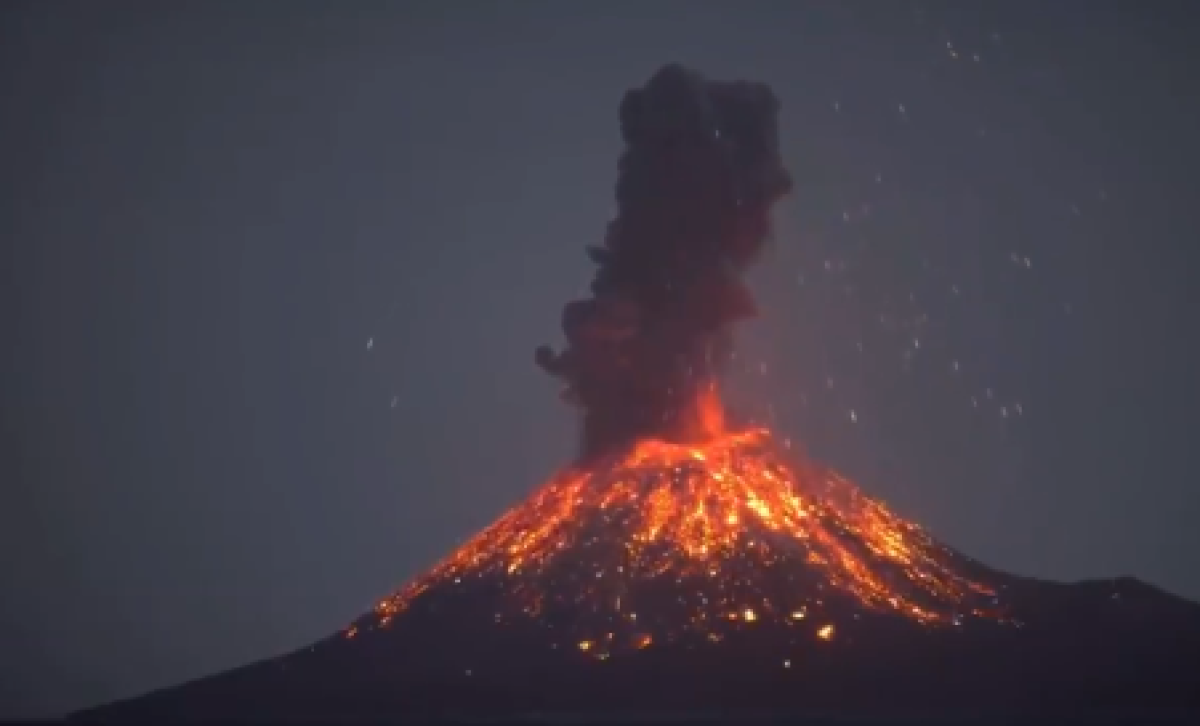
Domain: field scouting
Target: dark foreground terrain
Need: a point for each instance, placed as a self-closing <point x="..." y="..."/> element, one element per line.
<point x="1083" y="652"/>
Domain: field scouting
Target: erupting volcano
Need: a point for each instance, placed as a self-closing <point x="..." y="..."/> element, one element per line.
<point x="674" y="542"/>
<point x="684" y="562"/>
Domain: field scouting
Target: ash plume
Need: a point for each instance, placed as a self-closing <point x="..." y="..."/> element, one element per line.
<point x="696" y="182"/>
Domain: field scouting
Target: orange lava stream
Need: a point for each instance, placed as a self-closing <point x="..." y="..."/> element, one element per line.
<point x="712" y="516"/>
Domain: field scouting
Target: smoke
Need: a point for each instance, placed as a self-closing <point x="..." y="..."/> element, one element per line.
<point x="696" y="182"/>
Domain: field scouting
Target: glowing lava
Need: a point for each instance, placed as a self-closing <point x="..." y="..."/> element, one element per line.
<point x="672" y="539"/>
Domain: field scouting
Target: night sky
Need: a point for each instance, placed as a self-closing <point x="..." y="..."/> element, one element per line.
<point x="274" y="274"/>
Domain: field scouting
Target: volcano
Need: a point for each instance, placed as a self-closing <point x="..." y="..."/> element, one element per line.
<point x="686" y="564"/>
<point x="726" y="577"/>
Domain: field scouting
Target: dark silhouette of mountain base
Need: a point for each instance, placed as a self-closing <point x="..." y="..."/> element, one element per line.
<point x="1104" y="645"/>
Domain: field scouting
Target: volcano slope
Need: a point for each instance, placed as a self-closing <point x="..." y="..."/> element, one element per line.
<point x="726" y="576"/>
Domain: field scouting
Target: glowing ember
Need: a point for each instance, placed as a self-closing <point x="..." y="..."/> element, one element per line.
<point x="690" y="536"/>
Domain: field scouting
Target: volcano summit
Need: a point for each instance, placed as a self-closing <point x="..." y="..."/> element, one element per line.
<point x="683" y="564"/>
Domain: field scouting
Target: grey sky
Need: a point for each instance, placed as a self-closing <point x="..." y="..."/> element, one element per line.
<point x="209" y="210"/>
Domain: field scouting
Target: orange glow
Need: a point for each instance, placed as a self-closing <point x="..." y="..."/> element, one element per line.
<point x="710" y="413"/>
<point x="725" y="522"/>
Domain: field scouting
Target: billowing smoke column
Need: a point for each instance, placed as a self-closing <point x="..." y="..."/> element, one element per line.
<point x="700" y="172"/>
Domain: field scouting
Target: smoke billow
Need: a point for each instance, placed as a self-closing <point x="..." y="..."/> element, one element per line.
<point x="699" y="174"/>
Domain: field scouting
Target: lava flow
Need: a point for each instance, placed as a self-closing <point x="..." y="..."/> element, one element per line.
<point x="677" y="539"/>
